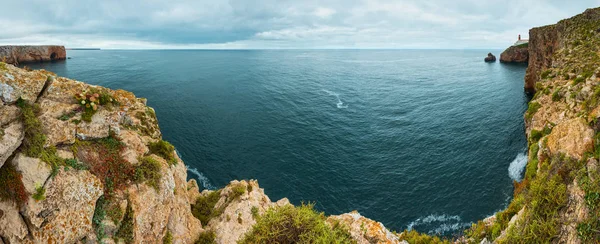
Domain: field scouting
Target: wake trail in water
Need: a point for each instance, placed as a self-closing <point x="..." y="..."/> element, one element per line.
<point x="516" y="167"/>
<point x="202" y="179"/>
<point x="439" y="224"/>
<point x="340" y="104"/>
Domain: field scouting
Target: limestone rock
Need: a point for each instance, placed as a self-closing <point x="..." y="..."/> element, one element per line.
<point x="237" y="218"/>
<point x="10" y="139"/>
<point x="364" y="230"/>
<point x="573" y="137"/>
<point x="34" y="171"/>
<point x="16" y="82"/>
<point x="8" y="114"/>
<point x="68" y="208"/>
<point x="12" y="226"/>
<point x="515" y="54"/>
<point x="575" y="213"/>
<point x="28" y="54"/>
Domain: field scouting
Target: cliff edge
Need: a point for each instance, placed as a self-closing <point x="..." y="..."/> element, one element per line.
<point x="515" y="54"/>
<point x="30" y="54"/>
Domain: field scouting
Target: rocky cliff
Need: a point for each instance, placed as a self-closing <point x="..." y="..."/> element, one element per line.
<point x="558" y="201"/>
<point x="515" y="54"/>
<point x="28" y="54"/>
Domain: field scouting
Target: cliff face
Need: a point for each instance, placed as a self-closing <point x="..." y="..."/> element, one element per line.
<point x="29" y="54"/>
<point x="515" y="54"/>
<point x="558" y="200"/>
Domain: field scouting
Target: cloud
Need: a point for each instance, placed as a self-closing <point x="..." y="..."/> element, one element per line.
<point x="279" y="23"/>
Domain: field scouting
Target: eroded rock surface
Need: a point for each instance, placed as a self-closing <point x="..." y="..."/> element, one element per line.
<point x="29" y="54"/>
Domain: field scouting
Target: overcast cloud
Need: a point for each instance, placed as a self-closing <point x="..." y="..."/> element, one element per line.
<point x="278" y="24"/>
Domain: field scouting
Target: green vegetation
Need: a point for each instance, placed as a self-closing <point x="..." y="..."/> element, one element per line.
<point x="206" y="237"/>
<point x="523" y="45"/>
<point x="420" y="238"/>
<point x="168" y="239"/>
<point x="204" y="208"/>
<point x="105" y="161"/>
<point x="147" y="122"/>
<point x="68" y="115"/>
<point x="532" y="109"/>
<point x="254" y="211"/>
<point x="556" y="95"/>
<point x="546" y="74"/>
<point x="11" y="184"/>
<point x="289" y="224"/>
<point x="40" y="193"/>
<point x="89" y="101"/>
<point x="125" y="231"/>
<point x="3" y="66"/>
<point x="163" y="149"/>
<point x="75" y="165"/>
<point x="34" y="141"/>
<point x="578" y="80"/>
<point x="237" y="191"/>
<point x="99" y="215"/>
<point x="240" y="218"/>
<point x="148" y="171"/>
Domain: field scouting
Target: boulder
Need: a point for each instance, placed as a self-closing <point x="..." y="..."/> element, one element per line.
<point x="573" y="137"/>
<point x="10" y="139"/>
<point x="364" y="230"/>
<point x="68" y="208"/>
<point x="16" y="82"/>
<point x="237" y="217"/>
<point x="490" y="58"/>
<point x="12" y="226"/>
<point x="34" y="171"/>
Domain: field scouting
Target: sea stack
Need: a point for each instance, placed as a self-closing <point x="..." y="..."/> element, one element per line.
<point x="490" y="58"/>
<point x="31" y="54"/>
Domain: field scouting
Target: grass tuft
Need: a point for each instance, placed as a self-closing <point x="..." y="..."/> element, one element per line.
<point x="289" y="224"/>
<point x="163" y="149"/>
<point x="148" y="172"/>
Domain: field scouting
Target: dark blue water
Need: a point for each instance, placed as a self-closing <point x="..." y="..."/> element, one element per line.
<point x="412" y="138"/>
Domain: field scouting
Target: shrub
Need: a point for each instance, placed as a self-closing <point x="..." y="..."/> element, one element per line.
<point x="289" y="224"/>
<point x="168" y="239"/>
<point x="3" y="66"/>
<point x="254" y="211"/>
<point x="103" y="157"/>
<point x="204" y="208"/>
<point x="89" y="101"/>
<point x="11" y="184"/>
<point x="578" y="80"/>
<point x="114" y="211"/>
<point x="237" y="191"/>
<point x="532" y="109"/>
<point x="535" y="136"/>
<point x="163" y="149"/>
<point x="240" y="218"/>
<point x="40" y="193"/>
<point x="416" y="237"/>
<point x="33" y="143"/>
<point x="99" y="215"/>
<point x="125" y="231"/>
<point x="148" y="171"/>
<point x="546" y="74"/>
<point x="206" y="237"/>
<point x="556" y="95"/>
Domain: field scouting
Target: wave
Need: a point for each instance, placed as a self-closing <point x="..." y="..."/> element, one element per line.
<point x="515" y="170"/>
<point x="201" y="178"/>
<point x="340" y="104"/>
<point x="439" y="224"/>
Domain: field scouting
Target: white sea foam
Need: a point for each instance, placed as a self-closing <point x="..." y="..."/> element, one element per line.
<point x="202" y="180"/>
<point x="442" y="223"/>
<point x="515" y="170"/>
<point x="340" y="104"/>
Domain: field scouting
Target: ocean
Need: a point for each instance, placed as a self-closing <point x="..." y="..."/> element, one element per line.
<point x="429" y="140"/>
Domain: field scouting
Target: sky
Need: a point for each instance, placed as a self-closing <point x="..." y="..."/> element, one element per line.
<point x="279" y="24"/>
